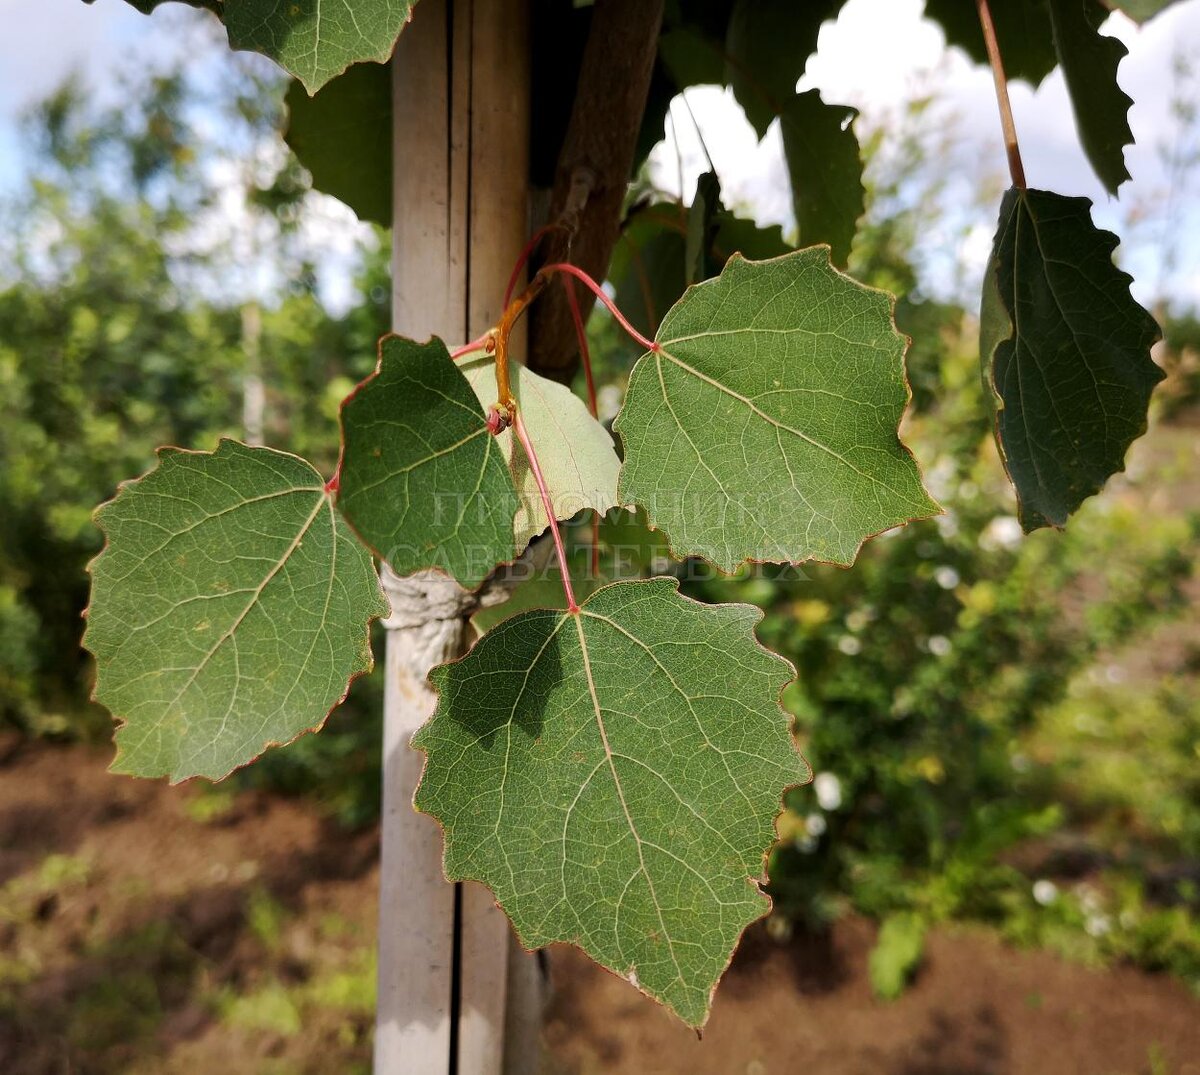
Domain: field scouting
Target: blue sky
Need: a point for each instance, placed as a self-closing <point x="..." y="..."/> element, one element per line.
<point x="878" y="53"/>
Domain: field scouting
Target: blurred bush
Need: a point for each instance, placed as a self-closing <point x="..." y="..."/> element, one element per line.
<point x="939" y="685"/>
<point x="132" y="318"/>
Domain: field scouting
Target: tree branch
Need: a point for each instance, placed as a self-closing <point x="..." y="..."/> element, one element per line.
<point x="594" y="166"/>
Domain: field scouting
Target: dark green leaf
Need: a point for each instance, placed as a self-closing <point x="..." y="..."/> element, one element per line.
<point x="691" y="59"/>
<point x="737" y="235"/>
<point x="648" y="264"/>
<point x="648" y="267"/>
<point x="1022" y="31"/>
<point x="702" y="229"/>
<point x="1067" y="351"/>
<point x="613" y="776"/>
<point x="773" y="39"/>
<point x="766" y="427"/>
<point x="148" y="6"/>
<point x="423" y="482"/>
<point x="313" y="40"/>
<point x="343" y="136"/>
<point x="826" y="172"/>
<point x="767" y="46"/>
<point x="1089" y="62"/>
<point x="230" y="609"/>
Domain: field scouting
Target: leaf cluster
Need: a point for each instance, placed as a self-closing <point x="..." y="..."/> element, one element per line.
<point x="612" y="770"/>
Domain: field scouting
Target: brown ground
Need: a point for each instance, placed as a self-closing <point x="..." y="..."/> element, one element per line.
<point x="136" y="949"/>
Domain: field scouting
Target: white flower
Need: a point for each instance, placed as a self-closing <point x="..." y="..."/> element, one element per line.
<point x="816" y="824"/>
<point x="806" y="845"/>
<point x="1003" y="532"/>
<point x="1097" y="924"/>
<point x="829" y="791"/>
<point x="1045" y="892"/>
<point x="946" y="577"/>
<point x="850" y="645"/>
<point x="939" y="645"/>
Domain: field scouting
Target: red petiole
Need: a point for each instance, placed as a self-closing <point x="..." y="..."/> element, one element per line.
<point x="478" y="344"/>
<point x="598" y="291"/>
<point x="523" y="436"/>
<point x="495" y="341"/>
<point x="586" y="358"/>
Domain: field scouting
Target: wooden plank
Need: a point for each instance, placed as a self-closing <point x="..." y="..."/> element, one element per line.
<point x="461" y="105"/>
<point x="498" y="209"/>
<point x="416" y="913"/>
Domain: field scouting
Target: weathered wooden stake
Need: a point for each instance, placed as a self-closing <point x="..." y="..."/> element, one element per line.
<point x="450" y="975"/>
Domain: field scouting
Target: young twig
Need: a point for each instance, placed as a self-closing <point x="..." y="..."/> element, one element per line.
<point x="512" y="313"/>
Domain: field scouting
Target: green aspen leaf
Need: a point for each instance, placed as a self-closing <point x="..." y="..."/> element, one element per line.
<point x="765" y="427"/>
<point x="823" y="161"/>
<point x="737" y="235"/>
<point x="767" y="46"/>
<point x="423" y="482"/>
<point x="343" y="136"/>
<point x="576" y="453"/>
<point x="1022" y="32"/>
<point x="1089" y="62"/>
<point x="230" y="609"/>
<point x="313" y="40"/>
<point x="613" y="775"/>
<point x="1066" y="351"/>
<point x="316" y="40"/>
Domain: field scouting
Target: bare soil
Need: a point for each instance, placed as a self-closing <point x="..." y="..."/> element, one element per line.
<point x="131" y="923"/>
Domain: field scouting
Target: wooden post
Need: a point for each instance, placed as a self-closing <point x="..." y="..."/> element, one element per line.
<point x="461" y="135"/>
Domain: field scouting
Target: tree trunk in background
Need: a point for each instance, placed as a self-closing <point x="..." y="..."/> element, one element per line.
<point x="450" y="973"/>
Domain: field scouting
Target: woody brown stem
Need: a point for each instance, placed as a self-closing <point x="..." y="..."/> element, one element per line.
<point x="1015" y="167"/>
